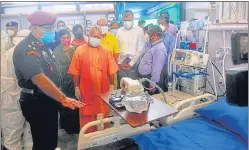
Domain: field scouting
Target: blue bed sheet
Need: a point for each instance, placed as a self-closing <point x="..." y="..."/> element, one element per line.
<point x="195" y="134"/>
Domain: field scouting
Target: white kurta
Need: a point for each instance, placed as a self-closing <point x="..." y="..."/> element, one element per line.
<point x="15" y="130"/>
<point x="131" y="43"/>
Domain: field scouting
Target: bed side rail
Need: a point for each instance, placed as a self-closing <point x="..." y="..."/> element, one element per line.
<point x="106" y="136"/>
<point x="188" y="106"/>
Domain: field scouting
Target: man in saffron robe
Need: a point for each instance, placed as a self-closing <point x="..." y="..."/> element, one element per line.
<point x="92" y="67"/>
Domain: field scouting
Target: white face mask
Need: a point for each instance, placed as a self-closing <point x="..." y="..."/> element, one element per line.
<point x="95" y="42"/>
<point x="128" y="24"/>
<point x="104" y="29"/>
<point x="10" y="33"/>
<point x="114" y="31"/>
<point x="162" y="27"/>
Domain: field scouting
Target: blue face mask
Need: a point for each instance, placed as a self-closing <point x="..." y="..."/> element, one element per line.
<point x="48" y="37"/>
<point x="60" y="28"/>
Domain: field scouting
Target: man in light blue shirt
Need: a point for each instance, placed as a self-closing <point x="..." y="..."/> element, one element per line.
<point x="152" y="61"/>
<point x="168" y="40"/>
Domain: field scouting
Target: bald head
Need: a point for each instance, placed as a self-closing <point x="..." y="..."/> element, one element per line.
<point x="102" y="22"/>
<point x="95" y="36"/>
<point x="95" y="32"/>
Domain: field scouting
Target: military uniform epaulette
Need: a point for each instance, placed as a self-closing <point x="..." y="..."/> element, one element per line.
<point x="32" y="49"/>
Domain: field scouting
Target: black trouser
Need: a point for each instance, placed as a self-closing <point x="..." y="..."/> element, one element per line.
<point x="69" y="118"/>
<point x="41" y="112"/>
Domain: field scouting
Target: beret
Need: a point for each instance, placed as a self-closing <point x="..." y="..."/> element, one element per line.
<point x="41" y="18"/>
<point x="12" y="23"/>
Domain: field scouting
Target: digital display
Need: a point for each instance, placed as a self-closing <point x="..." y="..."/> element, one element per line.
<point x="239" y="44"/>
<point x="243" y="47"/>
<point x="180" y="56"/>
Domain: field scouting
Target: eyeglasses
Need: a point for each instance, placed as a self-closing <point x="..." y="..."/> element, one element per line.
<point x="103" y="25"/>
<point x="47" y="28"/>
<point x="97" y="36"/>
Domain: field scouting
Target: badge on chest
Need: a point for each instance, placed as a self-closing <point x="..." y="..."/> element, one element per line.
<point x="48" y="60"/>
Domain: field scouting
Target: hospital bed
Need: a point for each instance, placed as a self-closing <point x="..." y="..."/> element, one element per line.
<point x="218" y="126"/>
<point x="186" y="104"/>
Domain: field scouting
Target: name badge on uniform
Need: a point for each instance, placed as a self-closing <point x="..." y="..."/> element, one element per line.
<point x="50" y="67"/>
<point x="51" y="52"/>
<point x="48" y="61"/>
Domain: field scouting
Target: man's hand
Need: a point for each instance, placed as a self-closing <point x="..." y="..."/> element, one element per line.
<point x="152" y="89"/>
<point x="122" y="66"/>
<point x="71" y="103"/>
<point x="127" y="67"/>
<point x="77" y="93"/>
<point x="111" y="88"/>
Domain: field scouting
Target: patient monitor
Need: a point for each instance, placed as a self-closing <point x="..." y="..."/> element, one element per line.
<point x="189" y="58"/>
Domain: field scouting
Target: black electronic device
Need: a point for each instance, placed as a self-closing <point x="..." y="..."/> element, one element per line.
<point x="240" y="48"/>
<point x="116" y="100"/>
<point x="237" y="86"/>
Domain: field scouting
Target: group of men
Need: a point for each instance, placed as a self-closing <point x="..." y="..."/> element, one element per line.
<point x="98" y="62"/>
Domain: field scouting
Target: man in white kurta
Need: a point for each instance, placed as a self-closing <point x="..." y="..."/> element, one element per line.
<point x="15" y="129"/>
<point x="5" y="42"/>
<point x="131" y="43"/>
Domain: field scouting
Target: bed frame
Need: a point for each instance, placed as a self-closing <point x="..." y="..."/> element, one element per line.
<point x="117" y="131"/>
<point x="187" y="108"/>
<point x="106" y="136"/>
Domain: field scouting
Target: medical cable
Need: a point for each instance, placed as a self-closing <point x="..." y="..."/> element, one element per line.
<point x="153" y="84"/>
<point x="217" y="69"/>
<point x="224" y="92"/>
<point x="223" y="68"/>
<point x="212" y="89"/>
<point x="210" y="86"/>
<point x="215" y="89"/>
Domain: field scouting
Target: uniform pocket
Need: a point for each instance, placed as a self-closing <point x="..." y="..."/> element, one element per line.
<point x="27" y="108"/>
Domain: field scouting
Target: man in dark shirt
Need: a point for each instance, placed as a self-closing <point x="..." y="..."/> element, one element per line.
<point x="40" y="79"/>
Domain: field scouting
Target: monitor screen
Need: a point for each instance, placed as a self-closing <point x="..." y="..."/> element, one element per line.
<point x="244" y="47"/>
<point x="239" y="44"/>
<point x="180" y="56"/>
